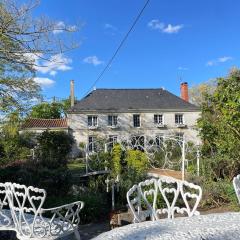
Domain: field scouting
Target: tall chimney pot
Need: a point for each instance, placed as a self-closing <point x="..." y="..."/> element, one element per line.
<point x="72" y="98"/>
<point x="184" y="91"/>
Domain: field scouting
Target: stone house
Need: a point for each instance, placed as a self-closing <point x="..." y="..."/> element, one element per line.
<point x="116" y="113"/>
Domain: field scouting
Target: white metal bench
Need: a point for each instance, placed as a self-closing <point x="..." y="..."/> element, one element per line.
<point x="163" y="197"/>
<point x="236" y="185"/>
<point x="21" y="210"/>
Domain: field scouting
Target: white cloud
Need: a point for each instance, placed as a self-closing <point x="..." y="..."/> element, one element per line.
<point x="92" y="60"/>
<point x="172" y="29"/>
<point x="56" y="63"/>
<point x="219" y="60"/>
<point x="224" y="59"/>
<point x="61" y="26"/>
<point x="110" y="26"/>
<point x="155" y="24"/>
<point x="182" y="68"/>
<point x="44" y="82"/>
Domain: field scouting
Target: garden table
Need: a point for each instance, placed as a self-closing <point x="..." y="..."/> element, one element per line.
<point x="218" y="226"/>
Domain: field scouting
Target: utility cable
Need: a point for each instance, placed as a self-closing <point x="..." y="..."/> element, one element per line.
<point x="119" y="47"/>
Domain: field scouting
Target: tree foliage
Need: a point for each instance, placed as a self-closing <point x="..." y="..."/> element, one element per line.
<point x="54" y="148"/>
<point x="50" y="110"/>
<point x="13" y="146"/>
<point x="23" y="40"/>
<point x="137" y="160"/>
<point x="220" y="124"/>
<point x="198" y="92"/>
<point x="116" y="159"/>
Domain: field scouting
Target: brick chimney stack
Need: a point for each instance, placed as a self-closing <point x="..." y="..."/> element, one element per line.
<point x="72" y="98"/>
<point x="184" y="91"/>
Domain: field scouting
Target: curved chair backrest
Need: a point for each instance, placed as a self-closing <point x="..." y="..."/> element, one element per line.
<point x="169" y="188"/>
<point x="236" y="185"/>
<point x="148" y="193"/>
<point x="5" y="220"/>
<point x="191" y="195"/>
<point x="177" y="196"/>
<point x="134" y="202"/>
<point x="25" y="204"/>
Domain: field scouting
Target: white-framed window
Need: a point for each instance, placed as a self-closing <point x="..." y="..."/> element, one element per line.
<point x="158" y="119"/>
<point x="179" y="119"/>
<point x="159" y="139"/>
<point x="112" y="120"/>
<point x="179" y="136"/>
<point x="136" y="120"/>
<point x="92" y="144"/>
<point x="112" y="140"/>
<point x="92" y="121"/>
<point x="138" y="142"/>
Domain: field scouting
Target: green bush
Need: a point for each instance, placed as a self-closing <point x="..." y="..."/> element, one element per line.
<point x="218" y="193"/>
<point x="116" y="160"/>
<point x="137" y="160"/>
<point x="54" y="148"/>
<point x="54" y="181"/>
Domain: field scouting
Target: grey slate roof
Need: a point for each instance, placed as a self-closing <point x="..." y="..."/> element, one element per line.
<point x="131" y="99"/>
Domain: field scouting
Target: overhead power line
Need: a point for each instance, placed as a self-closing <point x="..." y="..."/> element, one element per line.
<point x="119" y="47"/>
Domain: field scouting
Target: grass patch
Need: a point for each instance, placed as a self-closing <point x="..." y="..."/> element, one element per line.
<point x="76" y="167"/>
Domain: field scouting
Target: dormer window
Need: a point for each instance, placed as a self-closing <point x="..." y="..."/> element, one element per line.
<point x="92" y="121"/>
<point x="158" y="119"/>
<point x="136" y="120"/>
<point x="179" y="119"/>
<point x="112" y="120"/>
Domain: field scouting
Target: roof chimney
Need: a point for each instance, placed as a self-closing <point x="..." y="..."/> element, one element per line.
<point x="184" y="91"/>
<point x="72" y="93"/>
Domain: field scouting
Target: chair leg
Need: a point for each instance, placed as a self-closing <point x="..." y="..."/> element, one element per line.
<point x="77" y="234"/>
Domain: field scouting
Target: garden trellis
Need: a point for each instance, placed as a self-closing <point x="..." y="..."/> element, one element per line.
<point x="164" y="152"/>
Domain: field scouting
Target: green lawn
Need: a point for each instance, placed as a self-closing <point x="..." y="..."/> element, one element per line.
<point x="76" y="167"/>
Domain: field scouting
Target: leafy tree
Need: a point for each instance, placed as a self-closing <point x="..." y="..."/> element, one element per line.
<point x="220" y="125"/>
<point x="23" y="41"/>
<point x="54" y="148"/>
<point x="50" y="110"/>
<point x="46" y="110"/>
<point x="198" y="92"/>
<point x="13" y="146"/>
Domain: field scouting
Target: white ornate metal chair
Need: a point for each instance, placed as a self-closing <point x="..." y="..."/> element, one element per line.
<point x="169" y="197"/>
<point x="31" y="221"/>
<point x="134" y="202"/>
<point x="6" y="222"/>
<point x="236" y="185"/>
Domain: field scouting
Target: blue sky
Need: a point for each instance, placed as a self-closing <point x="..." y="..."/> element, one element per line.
<point x="195" y="40"/>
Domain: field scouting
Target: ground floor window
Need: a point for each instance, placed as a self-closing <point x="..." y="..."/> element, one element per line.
<point x="179" y="136"/>
<point x="138" y="142"/>
<point x="112" y="140"/>
<point x="159" y="140"/>
<point x="92" y="144"/>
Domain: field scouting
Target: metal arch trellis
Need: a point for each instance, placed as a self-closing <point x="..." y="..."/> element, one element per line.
<point x="173" y="152"/>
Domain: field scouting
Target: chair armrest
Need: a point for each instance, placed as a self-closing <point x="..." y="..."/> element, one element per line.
<point x="67" y="215"/>
<point x="80" y="205"/>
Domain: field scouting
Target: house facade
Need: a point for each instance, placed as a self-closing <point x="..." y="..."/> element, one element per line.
<point x="114" y="114"/>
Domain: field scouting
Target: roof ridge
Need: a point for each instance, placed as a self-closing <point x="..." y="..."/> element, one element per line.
<point x="46" y="119"/>
<point x="130" y="89"/>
